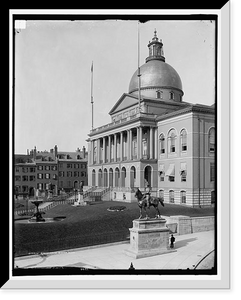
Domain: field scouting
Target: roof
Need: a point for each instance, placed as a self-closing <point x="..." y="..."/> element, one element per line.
<point x="199" y="108"/>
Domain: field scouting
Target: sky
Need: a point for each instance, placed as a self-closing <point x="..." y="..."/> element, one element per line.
<point x="53" y="73"/>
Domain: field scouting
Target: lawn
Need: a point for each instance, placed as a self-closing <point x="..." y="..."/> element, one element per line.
<point x="87" y="225"/>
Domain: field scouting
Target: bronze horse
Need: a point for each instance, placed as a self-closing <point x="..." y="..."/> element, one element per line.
<point x="153" y="201"/>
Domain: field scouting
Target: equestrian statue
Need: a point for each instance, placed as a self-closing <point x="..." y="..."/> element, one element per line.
<point x="146" y="201"/>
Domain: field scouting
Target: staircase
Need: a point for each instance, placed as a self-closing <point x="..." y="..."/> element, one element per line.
<point x="97" y="194"/>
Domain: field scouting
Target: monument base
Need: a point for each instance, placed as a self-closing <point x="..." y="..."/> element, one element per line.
<point x="149" y="237"/>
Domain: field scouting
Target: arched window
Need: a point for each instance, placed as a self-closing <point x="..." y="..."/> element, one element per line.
<point x="171" y="96"/>
<point x="183" y="136"/>
<point x="171" y="196"/>
<point x="159" y="94"/>
<point x="211" y="140"/>
<point x="172" y="141"/>
<point x="162" y="143"/>
<point x="183" y="197"/>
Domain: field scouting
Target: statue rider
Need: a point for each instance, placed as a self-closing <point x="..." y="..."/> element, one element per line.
<point x="147" y="193"/>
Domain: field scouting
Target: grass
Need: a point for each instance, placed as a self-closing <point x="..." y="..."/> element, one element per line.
<point x="86" y="225"/>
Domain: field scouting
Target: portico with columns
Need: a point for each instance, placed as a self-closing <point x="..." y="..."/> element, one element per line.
<point x="119" y="155"/>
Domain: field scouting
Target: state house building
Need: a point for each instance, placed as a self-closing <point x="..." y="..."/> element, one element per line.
<point x="160" y="139"/>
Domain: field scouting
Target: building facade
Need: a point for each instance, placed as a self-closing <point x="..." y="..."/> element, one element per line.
<point x="50" y="171"/>
<point x="155" y="137"/>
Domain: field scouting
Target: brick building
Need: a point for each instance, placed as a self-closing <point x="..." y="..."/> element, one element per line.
<point x="50" y="171"/>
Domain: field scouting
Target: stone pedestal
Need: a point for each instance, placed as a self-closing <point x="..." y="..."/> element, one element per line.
<point x="148" y="237"/>
<point x="80" y="201"/>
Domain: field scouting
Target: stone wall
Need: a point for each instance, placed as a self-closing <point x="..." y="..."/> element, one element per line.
<point x="186" y="225"/>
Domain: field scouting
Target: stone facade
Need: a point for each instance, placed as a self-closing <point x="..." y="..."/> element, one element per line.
<point x="156" y="138"/>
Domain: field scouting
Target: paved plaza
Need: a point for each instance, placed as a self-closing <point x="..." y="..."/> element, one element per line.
<point x="190" y="250"/>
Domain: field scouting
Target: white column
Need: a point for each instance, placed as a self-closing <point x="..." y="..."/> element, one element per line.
<point x="98" y="151"/>
<point x="156" y="142"/>
<point x="92" y="152"/>
<point x="121" y="146"/>
<point x="151" y="143"/>
<point x="138" y="142"/>
<point x="141" y="151"/>
<point x="109" y="149"/>
<point x="130" y="145"/>
<point x="104" y="150"/>
<point x="115" y="146"/>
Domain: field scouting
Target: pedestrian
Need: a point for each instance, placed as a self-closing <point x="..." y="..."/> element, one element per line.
<point x="172" y="241"/>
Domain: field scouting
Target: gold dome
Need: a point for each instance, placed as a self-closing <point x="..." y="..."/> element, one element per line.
<point x="156" y="74"/>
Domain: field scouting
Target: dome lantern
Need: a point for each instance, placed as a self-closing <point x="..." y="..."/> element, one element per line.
<point x="155" y="49"/>
<point x="158" y="79"/>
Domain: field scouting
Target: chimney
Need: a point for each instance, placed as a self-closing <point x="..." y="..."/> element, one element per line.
<point x="51" y="151"/>
<point x="27" y="151"/>
<point x="34" y="153"/>
<point x="84" y="151"/>
<point x="55" y="151"/>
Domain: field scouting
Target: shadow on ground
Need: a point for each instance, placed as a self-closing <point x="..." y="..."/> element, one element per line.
<point x="183" y="243"/>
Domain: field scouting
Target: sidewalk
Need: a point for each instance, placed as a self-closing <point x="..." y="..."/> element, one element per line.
<point x="191" y="248"/>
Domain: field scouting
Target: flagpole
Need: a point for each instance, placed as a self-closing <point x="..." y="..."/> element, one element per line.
<point x="138" y="74"/>
<point x="92" y="98"/>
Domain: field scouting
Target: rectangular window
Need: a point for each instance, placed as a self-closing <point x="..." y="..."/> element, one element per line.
<point x="25" y="178"/>
<point x="31" y="170"/>
<point x="69" y="173"/>
<point x="25" y="170"/>
<point x="32" y="178"/>
<point x="162" y="173"/>
<point x="55" y="176"/>
<point x="17" y="169"/>
<point x="183" y="176"/>
<point x="61" y="173"/>
<point x="25" y="188"/>
<point x="40" y="168"/>
<point x="40" y="175"/>
<point x="171" y="178"/>
<point x="39" y="186"/>
<point x="17" y="178"/>
<point x="134" y="148"/>
<point x="69" y="166"/>
<point x="47" y="168"/>
<point x="47" y="176"/>
<point x="162" y="177"/>
<point x="212" y="172"/>
<point x="54" y="168"/>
